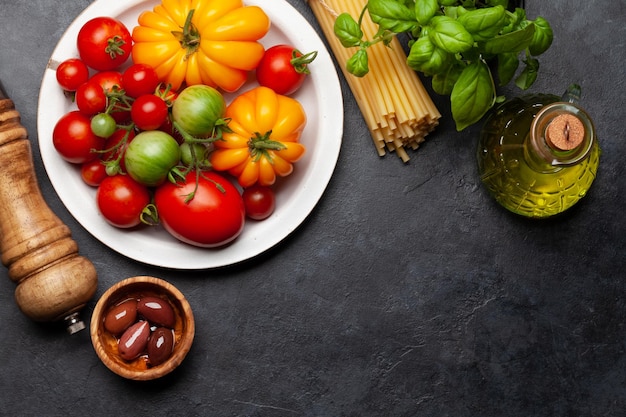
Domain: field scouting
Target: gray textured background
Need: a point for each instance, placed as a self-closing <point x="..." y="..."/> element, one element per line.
<point x="407" y="291"/>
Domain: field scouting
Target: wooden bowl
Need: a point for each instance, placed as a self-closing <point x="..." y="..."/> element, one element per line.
<point x="106" y="344"/>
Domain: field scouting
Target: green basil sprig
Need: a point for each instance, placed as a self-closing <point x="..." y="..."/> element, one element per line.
<point x="457" y="43"/>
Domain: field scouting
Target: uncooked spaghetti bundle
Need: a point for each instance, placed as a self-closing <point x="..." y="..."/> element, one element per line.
<point x="395" y="105"/>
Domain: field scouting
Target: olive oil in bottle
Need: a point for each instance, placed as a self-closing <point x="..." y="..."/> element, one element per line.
<point x="538" y="154"/>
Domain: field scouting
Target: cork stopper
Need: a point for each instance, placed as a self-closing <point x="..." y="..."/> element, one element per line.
<point x="565" y="132"/>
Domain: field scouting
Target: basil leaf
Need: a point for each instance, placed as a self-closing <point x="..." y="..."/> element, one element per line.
<point x="511" y="42"/>
<point x="507" y="66"/>
<point x="420" y="52"/>
<point x="426" y="57"/>
<point x="542" y="39"/>
<point x="447" y="2"/>
<point x="454" y="11"/>
<point x="347" y="30"/>
<point x="358" y="64"/>
<point x="503" y="3"/>
<point x="449" y="35"/>
<point x="484" y="23"/>
<point x="425" y="9"/>
<point x="528" y="76"/>
<point x="443" y="83"/>
<point x="472" y="95"/>
<point x="391" y="15"/>
<point x="515" y="21"/>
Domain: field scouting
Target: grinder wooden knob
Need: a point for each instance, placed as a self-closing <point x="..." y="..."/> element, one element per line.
<point x="53" y="282"/>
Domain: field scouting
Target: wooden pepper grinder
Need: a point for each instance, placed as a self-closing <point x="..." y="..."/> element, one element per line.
<point x="53" y="282"/>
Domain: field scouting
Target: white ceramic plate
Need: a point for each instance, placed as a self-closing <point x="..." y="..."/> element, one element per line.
<point x="297" y="194"/>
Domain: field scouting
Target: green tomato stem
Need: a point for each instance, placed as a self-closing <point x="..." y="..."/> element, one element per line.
<point x="149" y="215"/>
<point x="301" y="61"/>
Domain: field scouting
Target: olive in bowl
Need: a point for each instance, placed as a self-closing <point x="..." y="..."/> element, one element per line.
<point x="142" y="328"/>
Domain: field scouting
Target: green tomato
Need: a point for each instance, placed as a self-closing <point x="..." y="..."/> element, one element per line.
<point x="194" y="154"/>
<point x="197" y="110"/>
<point x="150" y="157"/>
<point x="103" y="125"/>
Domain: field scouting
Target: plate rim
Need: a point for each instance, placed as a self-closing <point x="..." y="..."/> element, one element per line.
<point x="330" y="121"/>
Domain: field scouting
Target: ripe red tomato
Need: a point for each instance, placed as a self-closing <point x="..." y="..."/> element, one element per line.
<point x="111" y="82"/>
<point x="214" y="216"/>
<point x="259" y="201"/>
<point x="168" y="95"/>
<point x="73" y="139"/>
<point x="93" y="172"/>
<point x="90" y="98"/>
<point x="104" y="43"/>
<point x="121" y="201"/>
<point x="140" y="79"/>
<point x="116" y="146"/>
<point x="108" y="80"/>
<point x="149" y="112"/>
<point x="168" y="127"/>
<point x="71" y="74"/>
<point x="283" y="68"/>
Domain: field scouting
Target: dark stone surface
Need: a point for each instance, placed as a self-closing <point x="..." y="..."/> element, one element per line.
<point x="407" y="291"/>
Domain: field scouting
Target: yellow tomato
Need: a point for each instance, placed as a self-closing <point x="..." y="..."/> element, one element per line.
<point x="263" y="138"/>
<point x="212" y="42"/>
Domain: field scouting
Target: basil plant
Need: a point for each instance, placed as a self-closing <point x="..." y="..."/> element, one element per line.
<point x="459" y="43"/>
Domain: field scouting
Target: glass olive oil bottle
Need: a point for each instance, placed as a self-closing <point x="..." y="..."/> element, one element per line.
<point x="538" y="154"/>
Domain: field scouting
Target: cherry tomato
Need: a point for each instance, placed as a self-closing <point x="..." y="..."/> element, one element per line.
<point x="140" y="79"/>
<point x="104" y="43"/>
<point x="149" y="112"/>
<point x="90" y="98"/>
<point x="259" y="201"/>
<point x="283" y="68"/>
<point x="121" y="200"/>
<point x="194" y="155"/>
<point x="73" y="139"/>
<point x="108" y="80"/>
<point x="116" y="146"/>
<point x="212" y="216"/>
<point x="93" y="172"/>
<point x="71" y="74"/>
<point x="103" y="125"/>
<point x="168" y="127"/>
<point x="167" y="94"/>
<point x="112" y="84"/>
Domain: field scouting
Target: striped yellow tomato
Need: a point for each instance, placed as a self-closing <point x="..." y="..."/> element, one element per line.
<point x="263" y="138"/>
<point x="212" y="42"/>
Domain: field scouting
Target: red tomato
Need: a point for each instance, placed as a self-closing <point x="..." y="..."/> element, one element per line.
<point x="93" y="172"/>
<point x="283" y="68"/>
<point x="259" y="202"/>
<point x="115" y="147"/>
<point x="168" y="95"/>
<point x="121" y="201"/>
<point x="104" y="43"/>
<point x="73" y="139"/>
<point x="71" y="74"/>
<point x="140" y="79"/>
<point x="214" y="216"/>
<point x="149" y="112"/>
<point x="108" y="80"/>
<point x="168" y="127"/>
<point x="111" y="82"/>
<point x="90" y="98"/>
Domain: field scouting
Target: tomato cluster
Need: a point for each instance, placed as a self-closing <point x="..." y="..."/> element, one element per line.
<point x="152" y="152"/>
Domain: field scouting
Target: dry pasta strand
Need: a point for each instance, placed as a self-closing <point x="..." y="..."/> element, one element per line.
<point x="396" y="107"/>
